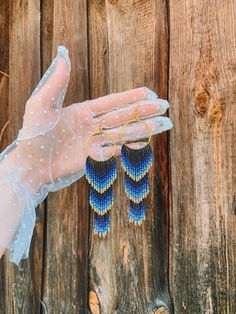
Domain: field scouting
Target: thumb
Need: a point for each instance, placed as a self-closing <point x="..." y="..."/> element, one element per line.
<point x="48" y="95"/>
<point x="51" y="89"/>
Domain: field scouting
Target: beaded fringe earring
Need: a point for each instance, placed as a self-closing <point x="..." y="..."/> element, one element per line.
<point x="101" y="176"/>
<point x="136" y="164"/>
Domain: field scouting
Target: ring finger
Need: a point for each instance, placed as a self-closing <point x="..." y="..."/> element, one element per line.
<point x="143" y="109"/>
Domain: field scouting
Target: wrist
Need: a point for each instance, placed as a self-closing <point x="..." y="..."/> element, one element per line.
<point x="23" y="168"/>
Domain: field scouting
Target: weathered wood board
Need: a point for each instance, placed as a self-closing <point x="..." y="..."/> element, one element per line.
<point x="185" y="51"/>
<point x="203" y="156"/>
<point x="128" y="272"/>
<point x="65" y="283"/>
<point x="23" y="284"/>
<point x="4" y="92"/>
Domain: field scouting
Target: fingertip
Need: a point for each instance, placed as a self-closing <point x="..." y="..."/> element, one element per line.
<point x="61" y="72"/>
<point x="150" y="93"/>
<point x="62" y="51"/>
<point x="160" y="124"/>
<point x="60" y="67"/>
<point x="63" y="57"/>
<point x="56" y="79"/>
<point x="169" y="123"/>
<point x="164" y="103"/>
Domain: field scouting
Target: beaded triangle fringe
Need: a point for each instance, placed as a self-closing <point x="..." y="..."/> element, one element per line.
<point x="101" y="176"/>
<point x="136" y="164"/>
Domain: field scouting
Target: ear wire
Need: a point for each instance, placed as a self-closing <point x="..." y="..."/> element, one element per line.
<point x="99" y="132"/>
<point x="136" y="120"/>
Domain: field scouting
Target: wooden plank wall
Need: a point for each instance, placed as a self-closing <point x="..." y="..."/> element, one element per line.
<point x="203" y="155"/>
<point x="4" y="92"/>
<point x="22" y="286"/>
<point x="123" y="268"/>
<point x="185" y="254"/>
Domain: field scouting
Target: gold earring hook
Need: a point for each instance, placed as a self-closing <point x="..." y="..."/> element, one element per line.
<point x="136" y="113"/>
<point x="134" y="120"/>
<point x="100" y="131"/>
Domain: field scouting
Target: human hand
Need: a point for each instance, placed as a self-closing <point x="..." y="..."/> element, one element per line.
<point x="50" y="150"/>
<point x="52" y="141"/>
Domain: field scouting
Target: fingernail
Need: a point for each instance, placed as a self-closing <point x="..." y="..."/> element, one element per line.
<point x="164" y="103"/>
<point x="62" y="50"/>
<point x="152" y="94"/>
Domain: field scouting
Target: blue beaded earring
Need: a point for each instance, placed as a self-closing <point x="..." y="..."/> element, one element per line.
<point x="101" y="176"/>
<point x="136" y="164"/>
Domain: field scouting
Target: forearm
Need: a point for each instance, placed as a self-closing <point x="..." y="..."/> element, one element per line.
<point x="16" y="189"/>
<point x="11" y="208"/>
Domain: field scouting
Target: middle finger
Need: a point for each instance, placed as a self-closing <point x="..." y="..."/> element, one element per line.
<point x="144" y="109"/>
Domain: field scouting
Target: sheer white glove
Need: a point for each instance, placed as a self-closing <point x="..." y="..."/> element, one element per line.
<point x="50" y="152"/>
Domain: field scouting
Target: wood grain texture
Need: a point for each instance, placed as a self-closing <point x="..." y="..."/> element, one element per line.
<point x="128" y="270"/>
<point x="130" y="44"/>
<point x="66" y="261"/>
<point x="4" y="68"/>
<point x="4" y="90"/>
<point x="23" y="283"/>
<point x="203" y="156"/>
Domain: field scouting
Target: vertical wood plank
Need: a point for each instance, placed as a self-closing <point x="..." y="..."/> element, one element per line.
<point x="128" y="270"/>
<point x="66" y="261"/>
<point x="4" y="68"/>
<point x="4" y="89"/>
<point x="203" y="155"/>
<point x="22" y="290"/>
<point x="98" y="48"/>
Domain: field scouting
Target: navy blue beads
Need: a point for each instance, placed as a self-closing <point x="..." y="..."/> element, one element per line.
<point x="137" y="212"/>
<point x="136" y="164"/>
<point x="101" y="176"/>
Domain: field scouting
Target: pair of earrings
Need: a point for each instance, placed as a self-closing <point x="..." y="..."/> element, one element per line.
<point x="102" y="174"/>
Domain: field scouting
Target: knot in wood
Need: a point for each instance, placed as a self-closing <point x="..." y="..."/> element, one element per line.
<point x="201" y="102"/>
<point x="216" y="112"/>
<point x="161" y="310"/>
<point x="94" y="303"/>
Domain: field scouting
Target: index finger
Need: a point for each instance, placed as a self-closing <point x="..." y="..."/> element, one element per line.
<point x="107" y="103"/>
<point x="52" y="87"/>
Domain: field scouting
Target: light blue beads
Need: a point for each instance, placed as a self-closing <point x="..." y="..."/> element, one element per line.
<point x="101" y="176"/>
<point x="136" y="164"/>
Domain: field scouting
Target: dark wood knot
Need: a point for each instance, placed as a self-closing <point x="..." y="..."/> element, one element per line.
<point x="162" y="310"/>
<point x="94" y="303"/>
<point x="201" y="101"/>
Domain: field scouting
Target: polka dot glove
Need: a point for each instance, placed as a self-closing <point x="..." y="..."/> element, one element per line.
<point x="50" y="150"/>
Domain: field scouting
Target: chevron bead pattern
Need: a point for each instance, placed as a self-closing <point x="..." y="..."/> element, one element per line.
<point x="137" y="213"/>
<point x="101" y="224"/>
<point x="101" y="176"/>
<point x="101" y="203"/>
<point x="136" y="164"/>
<point x="137" y="190"/>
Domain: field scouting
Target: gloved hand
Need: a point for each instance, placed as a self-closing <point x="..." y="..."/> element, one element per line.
<point x="50" y="150"/>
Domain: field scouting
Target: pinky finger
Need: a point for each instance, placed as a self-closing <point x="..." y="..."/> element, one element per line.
<point x="108" y="151"/>
<point x="138" y="131"/>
